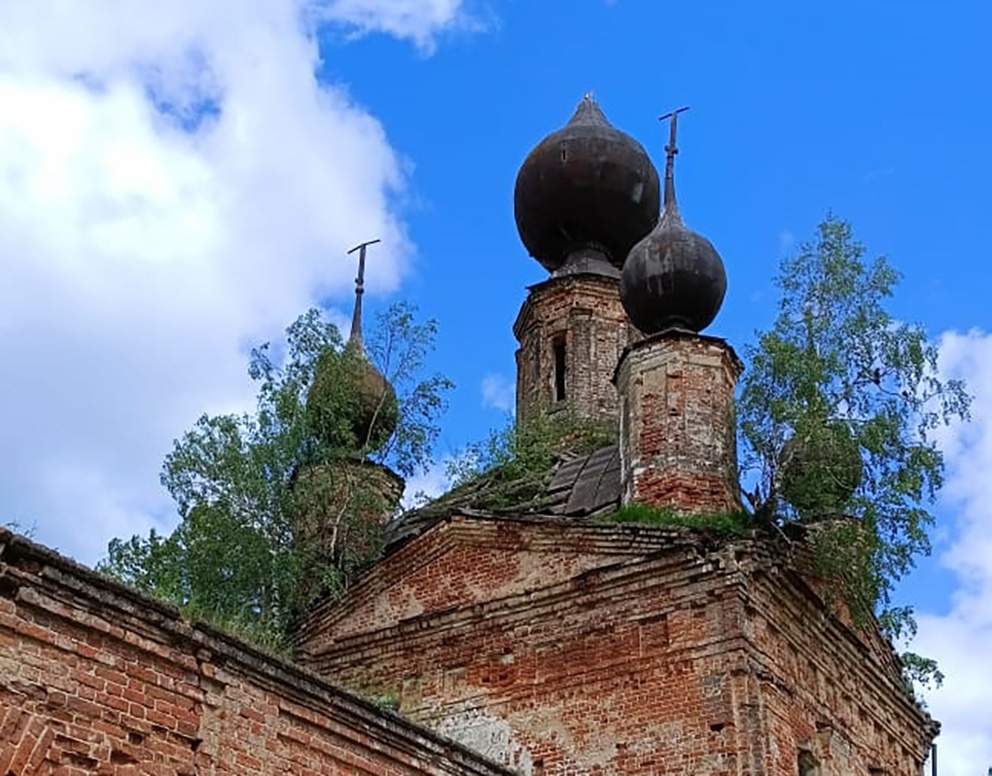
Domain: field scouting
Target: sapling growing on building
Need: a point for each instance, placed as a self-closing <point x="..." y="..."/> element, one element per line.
<point x="838" y="412"/>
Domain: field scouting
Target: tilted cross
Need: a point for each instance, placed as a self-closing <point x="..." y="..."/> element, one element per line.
<point x="355" y="339"/>
<point x="670" y="150"/>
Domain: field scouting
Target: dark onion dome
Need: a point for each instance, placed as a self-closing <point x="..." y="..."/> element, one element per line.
<point x="586" y="193"/>
<point x="673" y="277"/>
<point x="351" y="405"/>
<point x="820" y="467"/>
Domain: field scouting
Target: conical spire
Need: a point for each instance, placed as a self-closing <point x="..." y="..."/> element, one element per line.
<point x="347" y="386"/>
<point x="588" y="112"/>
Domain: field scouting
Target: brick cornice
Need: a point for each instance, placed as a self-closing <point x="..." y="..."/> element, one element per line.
<point x="586" y="282"/>
<point x="552" y="535"/>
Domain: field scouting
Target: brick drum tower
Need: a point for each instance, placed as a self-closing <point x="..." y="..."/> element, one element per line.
<point x="678" y="443"/>
<point x="583" y="197"/>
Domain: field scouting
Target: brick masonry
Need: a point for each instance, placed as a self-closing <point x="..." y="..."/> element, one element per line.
<point x="678" y="444"/>
<point x="604" y="649"/>
<point x="584" y="312"/>
<point x="95" y="678"/>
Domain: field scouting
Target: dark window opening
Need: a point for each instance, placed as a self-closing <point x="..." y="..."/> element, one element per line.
<point x="559" y="348"/>
<point x="808" y="766"/>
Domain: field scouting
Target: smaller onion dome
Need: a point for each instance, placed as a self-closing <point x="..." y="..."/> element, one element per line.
<point x="673" y="277"/>
<point x="820" y="467"/>
<point x="351" y="405"/>
<point x="585" y="195"/>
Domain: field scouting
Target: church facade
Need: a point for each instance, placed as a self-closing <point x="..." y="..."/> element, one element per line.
<point x="554" y="642"/>
<point x="542" y="638"/>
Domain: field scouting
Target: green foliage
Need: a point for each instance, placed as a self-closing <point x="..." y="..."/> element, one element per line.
<point x="247" y="486"/>
<point x="836" y="366"/>
<point x="363" y="417"/>
<point x="386" y="701"/>
<point x="509" y="468"/>
<point x="729" y="523"/>
<point x="399" y="346"/>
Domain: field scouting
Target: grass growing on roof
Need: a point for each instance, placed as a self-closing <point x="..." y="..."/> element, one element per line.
<point x="730" y="523"/>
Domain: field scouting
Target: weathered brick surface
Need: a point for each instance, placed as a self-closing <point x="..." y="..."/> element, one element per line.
<point x="668" y="656"/>
<point x="678" y="442"/>
<point x="827" y="692"/>
<point x="585" y="311"/>
<point x="494" y="558"/>
<point x="97" y="679"/>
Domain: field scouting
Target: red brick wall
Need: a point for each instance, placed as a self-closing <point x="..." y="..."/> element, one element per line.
<point x="417" y="579"/>
<point x="586" y="311"/>
<point x="829" y="692"/>
<point x="96" y="679"/>
<point x="658" y="661"/>
<point x="678" y="443"/>
<point x="607" y="672"/>
<point x="463" y="561"/>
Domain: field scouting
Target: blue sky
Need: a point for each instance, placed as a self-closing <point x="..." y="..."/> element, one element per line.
<point x="872" y="110"/>
<point x="178" y="181"/>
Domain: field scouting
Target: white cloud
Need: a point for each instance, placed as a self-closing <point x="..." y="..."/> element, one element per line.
<point x="498" y="392"/>
<point x="416" y="20"/>
<point x="961" y="640"/>
<point x="426" y="485"/>
<point x="175" y="185"/>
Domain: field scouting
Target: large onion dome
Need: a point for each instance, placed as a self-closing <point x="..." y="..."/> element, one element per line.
<point x="673" y="277"/>
<point x="585" y="195"/>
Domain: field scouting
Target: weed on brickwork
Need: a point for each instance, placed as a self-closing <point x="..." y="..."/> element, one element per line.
<point x="727" y="523"/>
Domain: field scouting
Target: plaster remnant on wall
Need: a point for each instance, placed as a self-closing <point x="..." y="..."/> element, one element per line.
<point x="489" y="735"/>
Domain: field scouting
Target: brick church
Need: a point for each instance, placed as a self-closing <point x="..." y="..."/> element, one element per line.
<point x="537" y="638"/>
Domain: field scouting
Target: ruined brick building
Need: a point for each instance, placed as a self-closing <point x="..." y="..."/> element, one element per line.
<point x="538" y="638"/>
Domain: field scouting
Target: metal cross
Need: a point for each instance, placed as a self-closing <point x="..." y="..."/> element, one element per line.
<point x="673" y="126"/>
<point x="355" y="339"/>
<point x="670" y="150"/>
<point x="360" y="280"/>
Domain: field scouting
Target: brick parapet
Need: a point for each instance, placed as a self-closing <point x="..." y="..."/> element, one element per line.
<point x="97" y="677"/>
<point x="543" y="551"/>
<point x="669" y="572"/>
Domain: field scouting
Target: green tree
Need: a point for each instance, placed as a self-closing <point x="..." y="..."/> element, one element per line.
<point x="838" y="412"/>
<point x="237" y="556"/>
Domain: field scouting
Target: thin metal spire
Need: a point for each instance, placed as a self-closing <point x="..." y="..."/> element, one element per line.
<point x="670" y="150"/>
<point x="355" y="338"/>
